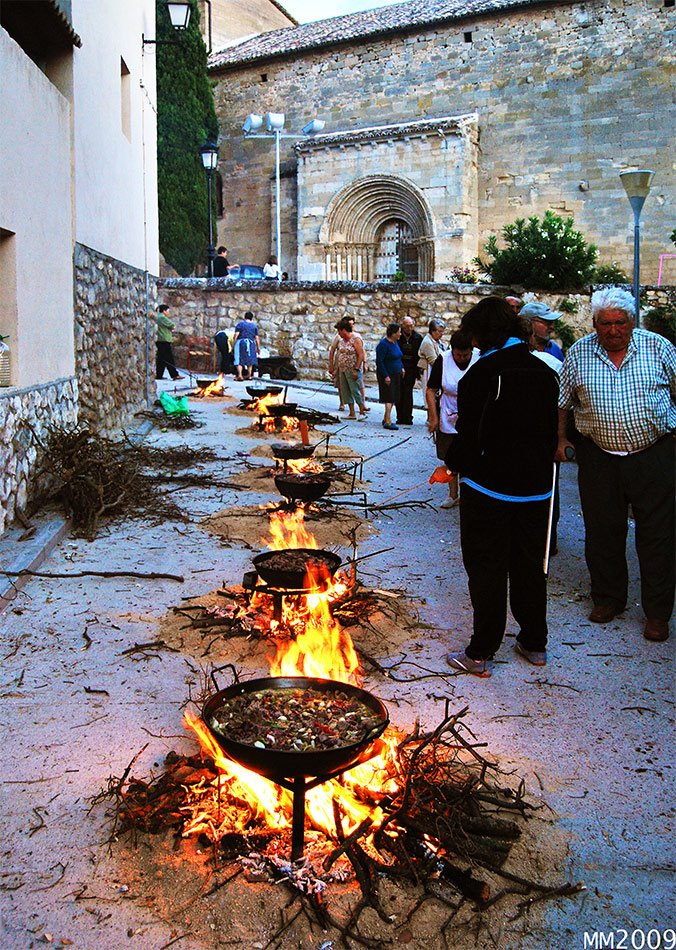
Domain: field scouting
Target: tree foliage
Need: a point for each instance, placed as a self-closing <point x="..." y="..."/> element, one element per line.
<point x="540" y="255"/>
<point x="186" y="117"/>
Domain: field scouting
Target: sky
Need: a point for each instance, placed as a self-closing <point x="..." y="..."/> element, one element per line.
<point x="307" y="10"/>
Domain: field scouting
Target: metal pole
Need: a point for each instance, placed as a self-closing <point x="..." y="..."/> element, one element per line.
<point x="637" y="264"/>
<point x="211" y="250"/>
<point x="278" y="238"/>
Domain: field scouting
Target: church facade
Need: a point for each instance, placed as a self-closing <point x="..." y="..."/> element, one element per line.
<point x="446" y="121"/>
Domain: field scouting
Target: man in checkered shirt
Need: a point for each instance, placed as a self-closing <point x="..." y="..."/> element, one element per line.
<point x="621" y="384"/>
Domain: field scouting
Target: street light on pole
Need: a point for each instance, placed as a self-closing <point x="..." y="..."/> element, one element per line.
<point x="274" y="128"/>
<point x="637" y="186"/>
<point x="209" y="154"/>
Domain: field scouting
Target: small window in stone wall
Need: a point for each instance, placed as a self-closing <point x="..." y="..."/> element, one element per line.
<point x="669" y="3"/>
<point x="219" y="195"/>
<point x="467" y="36"/>
<point x="264" y="77"/>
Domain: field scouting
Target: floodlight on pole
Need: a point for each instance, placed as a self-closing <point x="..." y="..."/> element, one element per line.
<point x="637" y="186"/>
<point x="274" y="128"/>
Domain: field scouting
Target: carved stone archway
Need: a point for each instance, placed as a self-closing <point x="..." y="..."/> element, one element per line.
<point x="358" y="217"/>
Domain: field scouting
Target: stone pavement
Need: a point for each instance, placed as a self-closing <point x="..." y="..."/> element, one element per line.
<point x="591" y="733"/>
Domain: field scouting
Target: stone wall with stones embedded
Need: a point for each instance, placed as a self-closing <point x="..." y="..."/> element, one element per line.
<point x="297" y="319"/>
<point x="24" y="415"/>
<point x="114" y="340"/>
<point x="556" y="88"/>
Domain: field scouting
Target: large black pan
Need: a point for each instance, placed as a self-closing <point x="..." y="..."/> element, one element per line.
<point x="257" y="392"/>
<point x="274" y="764"/>
<point x="302" y="487"/>
<point x="293" y="578"/>
<point x="291" y="450"/>
<point x="280" y="409"/>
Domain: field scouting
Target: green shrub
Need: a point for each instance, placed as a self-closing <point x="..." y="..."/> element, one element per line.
<point x="186" y="117"/>
<point x="399" y="277"/>
<point x="566" y="305"/>
<point x="564" y="332"/>
<point x="610" y="274"/>
<point x="661" y="320"/>
<point x="540" y="255"/>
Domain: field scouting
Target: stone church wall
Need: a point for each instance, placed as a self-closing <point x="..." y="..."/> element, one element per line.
<point x="567" y="96"/>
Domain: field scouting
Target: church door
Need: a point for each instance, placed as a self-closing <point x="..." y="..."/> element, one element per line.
<point x="395" y="251"/>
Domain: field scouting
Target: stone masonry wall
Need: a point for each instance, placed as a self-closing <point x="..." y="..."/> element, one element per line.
<point x="24" y="414"/>
<point x="114" y="340"/>
<point x="567" y="95"/>
<point x="297" y="319"/>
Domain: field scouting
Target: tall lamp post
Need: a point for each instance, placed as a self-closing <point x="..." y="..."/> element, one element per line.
<point x="209" y="153"/>
<point x="274" y="128"/>
<point x="637" y="186"/>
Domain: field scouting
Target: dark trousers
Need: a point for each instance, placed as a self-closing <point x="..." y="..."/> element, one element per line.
<point x="504" y="542"/>
<point x="165" y="360"/>
<point x="608" y="485"/>
<point x="221" y="339"/>
<point x="405" y="400"/>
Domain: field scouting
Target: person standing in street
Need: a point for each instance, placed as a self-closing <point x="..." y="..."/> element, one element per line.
<point x="271" y="269"/>
<point x="541" y="320"/>
<point x="620" y="382"/>
<point x="409" y="344"/>
<point x="389" y="372"/>
<point x="430" y="348"/>
<point x="504" y="455"/>
<point x="165" y="354"/>
<point x="441" y="395"/>
<point x="347" y="361"/>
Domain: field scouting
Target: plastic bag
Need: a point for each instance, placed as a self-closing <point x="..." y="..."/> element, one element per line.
<point x="174" y="405"/>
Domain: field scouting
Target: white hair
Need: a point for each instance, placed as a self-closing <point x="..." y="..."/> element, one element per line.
<point x="613" y="298"/>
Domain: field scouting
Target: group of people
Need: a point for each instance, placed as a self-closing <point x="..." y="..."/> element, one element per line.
<point x="223" y="267"/>
<point x="240" y="348"/>
<point x="504" y="426"/>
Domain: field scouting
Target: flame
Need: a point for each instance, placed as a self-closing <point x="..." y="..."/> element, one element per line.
<point x="213" y="389"/>
<point x="304" y="466"/>
<point x="287" y="530"/>
<point x="260" y="405"/>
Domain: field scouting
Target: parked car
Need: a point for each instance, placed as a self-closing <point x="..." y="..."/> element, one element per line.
<point x="245" y="272"/>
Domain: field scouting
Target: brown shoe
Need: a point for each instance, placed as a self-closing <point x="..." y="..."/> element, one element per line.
<point x="656" y="630"/>
<point x="604" y="613"/>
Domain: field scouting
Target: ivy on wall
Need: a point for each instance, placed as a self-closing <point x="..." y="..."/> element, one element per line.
<point x="186" y="118"/>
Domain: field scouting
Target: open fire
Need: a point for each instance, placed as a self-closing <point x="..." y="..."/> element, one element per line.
<point x="319" y="648"/>
<point x="215" y="388"/>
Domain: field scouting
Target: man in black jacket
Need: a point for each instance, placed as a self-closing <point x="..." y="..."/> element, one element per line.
<point x="504" y="455"/>
<point x="409" y="344"/>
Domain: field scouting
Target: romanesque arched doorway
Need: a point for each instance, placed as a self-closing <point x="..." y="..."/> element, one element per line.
<point x="375" y="227"/>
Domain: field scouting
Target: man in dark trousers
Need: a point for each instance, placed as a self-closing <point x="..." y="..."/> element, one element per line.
<point x="504" y="455"/>
<point x="620" y="382"/>
<point x="409" y="344"/>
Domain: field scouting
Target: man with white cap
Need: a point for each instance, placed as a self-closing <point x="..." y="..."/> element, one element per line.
<point x="542" y="321"/>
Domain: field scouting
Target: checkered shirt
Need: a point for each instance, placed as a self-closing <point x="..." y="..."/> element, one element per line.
<point x="623" y="410"/>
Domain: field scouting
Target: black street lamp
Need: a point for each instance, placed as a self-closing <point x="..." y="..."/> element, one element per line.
<point x="209" y="153"/>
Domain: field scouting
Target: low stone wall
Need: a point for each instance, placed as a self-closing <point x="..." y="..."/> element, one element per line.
<point x="114" y="340"/>
<point x="297" y="318"/>
<point x="24" y="415"/>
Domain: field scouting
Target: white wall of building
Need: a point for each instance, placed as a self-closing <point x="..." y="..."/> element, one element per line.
<point x="115" y="138"/>
<point x="36" y="251"/>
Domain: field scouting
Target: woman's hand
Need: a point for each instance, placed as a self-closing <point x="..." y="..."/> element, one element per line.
<point x="355" y="375"/>
<point x="388" y="380"/>
<point x="432" y="422"/>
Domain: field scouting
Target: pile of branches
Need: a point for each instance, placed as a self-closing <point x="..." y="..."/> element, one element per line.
<point x="446" y="836"/>
<point x="163" y="420"/>
<point x="96" y="478"/>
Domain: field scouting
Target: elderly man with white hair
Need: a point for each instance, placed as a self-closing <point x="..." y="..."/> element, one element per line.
<point x="621" y="384"/>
